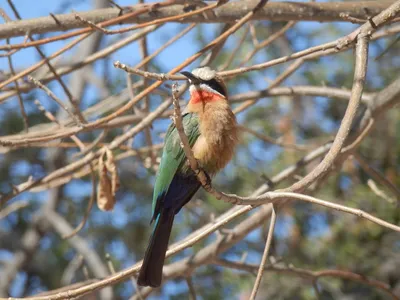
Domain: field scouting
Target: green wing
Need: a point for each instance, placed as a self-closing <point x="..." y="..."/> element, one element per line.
<point x="173" y="156"/>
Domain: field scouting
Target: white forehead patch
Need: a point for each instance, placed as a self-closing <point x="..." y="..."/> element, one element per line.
<point x="204" y="87"/>
<point x="204" y="73"/>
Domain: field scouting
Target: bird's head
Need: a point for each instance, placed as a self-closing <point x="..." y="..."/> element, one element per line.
<point x="206" y="87"/>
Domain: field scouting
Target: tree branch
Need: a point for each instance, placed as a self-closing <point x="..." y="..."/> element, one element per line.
<point x="230" y="12"/>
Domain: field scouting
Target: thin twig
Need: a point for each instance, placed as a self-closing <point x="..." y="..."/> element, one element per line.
<point x="153" y="22"/>
<point x="87" y="31"/>
<point x="264" y="258"/>
<point x="373" y="186"/>
<point x="53" y="70"/>
<point x="192" y="290"/>
<point x="88" y="209"/>
<point x="56" y="99"/>
<point x="110" y="264"/>
<point x="277" y="81"/>
<point x="267" y="42"/>
<point x="236" y="50"/>
<point x="271" y="140"/>
<point x="52" y="118"/>
<point x="79" y="64"/>
<point x="378" y="176"/>
<point x="394" y="42"/>
<point x="156" y="76"/>
<point x="12" y="71"/>
<point x="12" y="208"/>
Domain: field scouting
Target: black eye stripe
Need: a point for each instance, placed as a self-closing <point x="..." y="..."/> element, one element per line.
<point x="215" y="85"/>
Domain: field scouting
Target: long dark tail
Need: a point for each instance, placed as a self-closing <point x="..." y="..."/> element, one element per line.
<point x="151" y="271"/>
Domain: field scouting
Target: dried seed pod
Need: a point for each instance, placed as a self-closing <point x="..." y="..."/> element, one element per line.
<point x="108" y="181"/>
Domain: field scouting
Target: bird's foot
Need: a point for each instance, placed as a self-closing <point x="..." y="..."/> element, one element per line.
<point x="208" y="178"/>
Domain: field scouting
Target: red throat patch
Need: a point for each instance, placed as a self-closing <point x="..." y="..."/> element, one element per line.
<point x="204" y="96"/>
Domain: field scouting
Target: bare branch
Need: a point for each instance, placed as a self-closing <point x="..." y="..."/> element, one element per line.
<point x="80" y="245"/>
<point x="56" y="99"/>
<point x="313" y="275"/>
<point x="276" y="11"/>
<point x="265" y="255"/>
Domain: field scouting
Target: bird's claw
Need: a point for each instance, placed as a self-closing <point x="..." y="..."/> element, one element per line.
<point x="208" y="178"/>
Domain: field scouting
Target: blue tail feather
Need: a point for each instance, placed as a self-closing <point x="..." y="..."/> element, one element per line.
<point x="169" y="203"/>
<point x="153" y="262"/>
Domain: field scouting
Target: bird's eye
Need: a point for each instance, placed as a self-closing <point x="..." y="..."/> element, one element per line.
<point x="215" y="85"/>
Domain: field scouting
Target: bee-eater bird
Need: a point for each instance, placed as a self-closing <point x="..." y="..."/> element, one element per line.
<point x="210" y="126"/>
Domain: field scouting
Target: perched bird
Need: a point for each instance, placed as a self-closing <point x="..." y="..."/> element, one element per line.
<point x="210" y="126"/>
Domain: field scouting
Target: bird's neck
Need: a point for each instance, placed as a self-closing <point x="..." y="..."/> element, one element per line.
<point x="204" y="97"/>
<point x="202" y="102"/>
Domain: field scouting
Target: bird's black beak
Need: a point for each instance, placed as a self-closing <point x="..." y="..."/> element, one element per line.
<point x="192" y="79"/>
